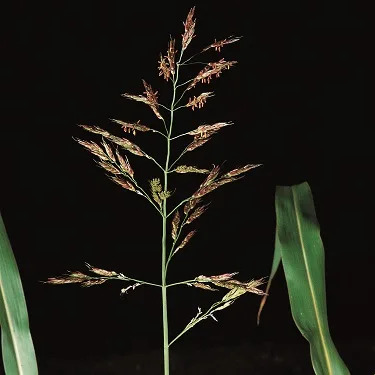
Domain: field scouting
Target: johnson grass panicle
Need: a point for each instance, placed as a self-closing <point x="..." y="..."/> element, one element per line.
<point x="112" y="156"/>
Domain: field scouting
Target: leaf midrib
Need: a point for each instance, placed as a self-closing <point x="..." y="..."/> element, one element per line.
<point x="311" y="286"/>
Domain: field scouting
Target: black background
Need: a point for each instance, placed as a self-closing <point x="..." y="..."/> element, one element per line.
<point x="300" y="101"/>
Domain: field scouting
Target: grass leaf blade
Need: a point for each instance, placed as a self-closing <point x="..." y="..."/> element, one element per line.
<point x="16" y="342"/>
<point x="275" y="265"/>
<point x="302" y="254"/>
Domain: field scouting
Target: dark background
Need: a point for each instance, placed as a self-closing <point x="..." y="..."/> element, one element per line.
<point x="300" y="100"/>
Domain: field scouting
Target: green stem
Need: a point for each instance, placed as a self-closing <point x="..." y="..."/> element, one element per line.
<point x="164" y="235"/>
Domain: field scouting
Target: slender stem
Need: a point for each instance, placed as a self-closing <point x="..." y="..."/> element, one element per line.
<point x="181" y="203"/>
<point x="163" y="265"/>
<point x="182" y="283"/>
<point x="151" y="158"/>
<point x="126" y="278"/>
<point x="182" y="153"/>
<point x="164" y="261"/>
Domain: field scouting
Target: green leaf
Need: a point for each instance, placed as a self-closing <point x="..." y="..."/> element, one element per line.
<point x="275" y="265"/>
<point x="16" y="342"/>
<point x="302" y="254"/>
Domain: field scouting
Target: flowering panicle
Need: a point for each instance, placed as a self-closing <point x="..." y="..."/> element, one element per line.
<point x="211" y="70"/>
<point x="189" y="24"/>
<point x="220" y="44"/>
<point x="200" y="101"/>
<point x="120" y="171"/>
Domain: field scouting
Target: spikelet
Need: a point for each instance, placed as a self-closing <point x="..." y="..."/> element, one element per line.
<point x="217" y="45"/>
<point x="197" y="143"/>
<point x="132" y="126"/>
<point x="211" y="70"/>
<point x="237" y="171"/>
<point x="200" y="101"/>
<point x="190" y="169"/>
<point x="196" y="214"/>
<point x="93" y="148"/>
<point x="175" y="224"/>
<point x="156" y="189"/>
<point x="185" y="241"/>
<point x="100" y="271"/>
<point x="189" y="24"/>
<point x="204" y="286"/>
<point x="123" y="183"/>
<point x="124" y="164"/>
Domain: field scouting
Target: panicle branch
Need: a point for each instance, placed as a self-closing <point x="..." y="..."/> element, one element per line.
<point x="213" y="69"/>
<point x="122" y="142"/>
<point x="217" y="45"/>
<point x="132" y="126"/>
<point x="190" y="169"/>
<point x="200" y="101"/>
<point x="150" y="99"/>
